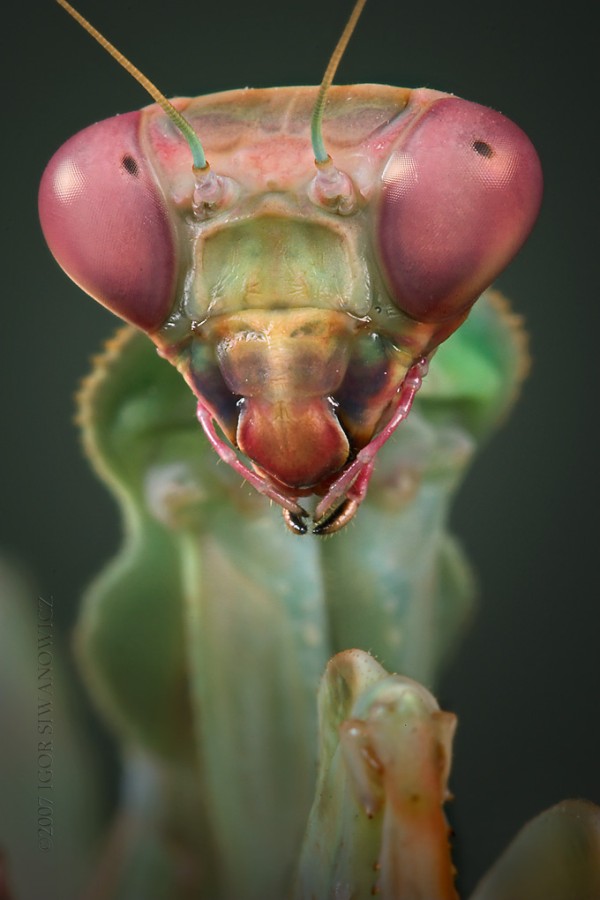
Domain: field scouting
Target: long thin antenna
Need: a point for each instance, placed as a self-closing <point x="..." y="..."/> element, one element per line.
<point x="316" y="133"/>
<point x="199" y="159"/>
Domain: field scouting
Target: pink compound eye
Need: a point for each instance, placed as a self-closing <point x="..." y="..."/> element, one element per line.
<point x="106" y="222"/>
<point x="459" y="195"/>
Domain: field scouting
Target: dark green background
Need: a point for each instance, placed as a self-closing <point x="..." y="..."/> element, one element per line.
<point x="526" y="683"/>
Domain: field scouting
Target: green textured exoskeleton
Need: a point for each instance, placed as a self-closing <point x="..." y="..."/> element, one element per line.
<point x="205" y="640"/>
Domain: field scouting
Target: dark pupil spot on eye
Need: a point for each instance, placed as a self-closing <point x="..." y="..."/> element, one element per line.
<point x="483" y="149"/>
<point x="130" y="165"/>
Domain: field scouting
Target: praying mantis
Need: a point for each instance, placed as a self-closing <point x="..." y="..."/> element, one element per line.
<point x="301" y="307"/>
<point x="165" y="510"/>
